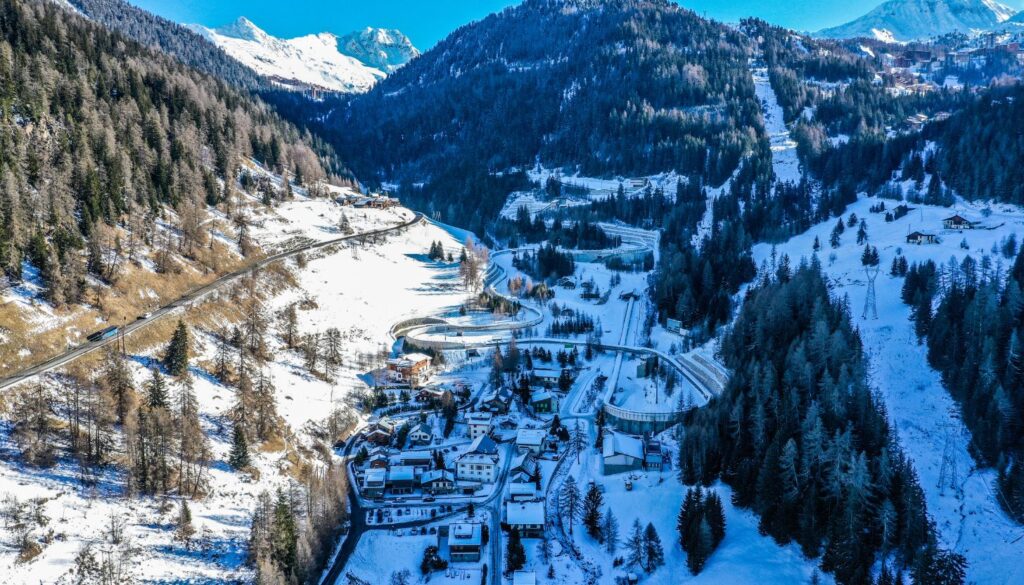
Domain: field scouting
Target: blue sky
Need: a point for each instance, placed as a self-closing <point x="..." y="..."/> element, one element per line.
<point x="428" y="21"/>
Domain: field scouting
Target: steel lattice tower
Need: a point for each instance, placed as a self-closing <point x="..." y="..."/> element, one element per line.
<point x="870" y="303"/>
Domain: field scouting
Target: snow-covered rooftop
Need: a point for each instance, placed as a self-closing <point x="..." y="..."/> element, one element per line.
<point x="524" y="513"/>
<point x="437" y="475"/>
<point x="465" y="534"/>
<point x="402" y="473"/>
<point x="479" y="418"/>
<point x="618" y="443"/>
<point x="531" y="437"/>
<point x="483" y="445"/>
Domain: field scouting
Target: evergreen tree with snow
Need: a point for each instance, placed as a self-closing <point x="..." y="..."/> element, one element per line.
<point x="592" y="511"/>
<point x="634" y="545"/>
<point x="184" y="530"/>
<point x="177" y="354"/>
<point x="156" y="390"/>
<point x="239" y="456"/>
<point x="654" y="555"/>
<point x="515" y="554"/>
<point x="610" y="531"/>
<point x="570" y="501"/>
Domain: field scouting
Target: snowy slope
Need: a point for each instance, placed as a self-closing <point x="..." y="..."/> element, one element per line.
<point x="785" y="163"/>
<point x="360" y="289"/>
<point x="319" y="60"/>
<point x="925" y="417"/>
<point x="906" y="20"/>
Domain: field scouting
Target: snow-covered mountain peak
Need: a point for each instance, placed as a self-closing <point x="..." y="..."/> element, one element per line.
<point x="243" y="29"/>
<point x="907" y="20"/>
<point x="350" y="64"/>
<point x="383" y="48"/>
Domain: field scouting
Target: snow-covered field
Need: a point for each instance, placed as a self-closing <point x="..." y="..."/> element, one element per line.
<point x="925" y="417"/>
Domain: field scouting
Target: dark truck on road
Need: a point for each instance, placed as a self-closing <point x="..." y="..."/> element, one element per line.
<point x="103" y="334"/>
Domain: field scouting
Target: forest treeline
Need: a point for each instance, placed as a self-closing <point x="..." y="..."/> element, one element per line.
<point x="804" y="442"/>
<point x="640" y="86"/>
<point x="96" y="130"/>
<point x="972" y="315"/>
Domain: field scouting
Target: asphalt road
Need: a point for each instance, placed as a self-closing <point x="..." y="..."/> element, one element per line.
<point x="186" y="301"/>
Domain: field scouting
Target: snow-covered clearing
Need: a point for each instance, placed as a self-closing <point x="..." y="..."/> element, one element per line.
<point x="925" y="417"/>
<point x="784" y="158"/>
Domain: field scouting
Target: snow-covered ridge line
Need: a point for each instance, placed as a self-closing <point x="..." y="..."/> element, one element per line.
<point x="909" y="20"/>
<point x="350" y="64"/>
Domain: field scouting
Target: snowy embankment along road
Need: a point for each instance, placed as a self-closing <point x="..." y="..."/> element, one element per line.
<point x="924" y="415"/>
<point x="188" y="300"/>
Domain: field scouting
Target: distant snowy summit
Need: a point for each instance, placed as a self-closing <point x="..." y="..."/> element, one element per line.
<point x="909" y="20"/>
<point x="384" y="48"/>
<point x="350" y="64"/>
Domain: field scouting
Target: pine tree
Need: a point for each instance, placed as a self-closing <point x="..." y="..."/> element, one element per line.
<point x="156" y="390"/>
<point x="284" y="534"/>
<point x="690" y="513"/>
<point x="592" y="511"/>
<point x="117" y="377"/>
<point x="834" y="237"/>
<point x="635" y="546"/>
<point x="569" y="501"/>
<point x="610" y="531"/>
<point x="654" y="555"/>
<point x="515" y="554"/>
<point x="716" y="517"/>
<point x="700" y="550"/>
<point x="184" y="530"/>
<point x="177" y="355"/>
<point x="239" y="457"/>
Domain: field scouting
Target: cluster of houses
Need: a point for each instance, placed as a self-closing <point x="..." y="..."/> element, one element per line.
<point x="543" y="399"/>
<point x="955" y="222"/>
<point x="936" y="58"/>
<point x="372" y="201"/>
<point x="418" y="470"/>
<point x="915" y="68"/>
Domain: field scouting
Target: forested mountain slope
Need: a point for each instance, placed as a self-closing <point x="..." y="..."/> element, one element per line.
<point x="618" y="87"/>
<point x="174" y="39"/>
<point x="109" y="150"/>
